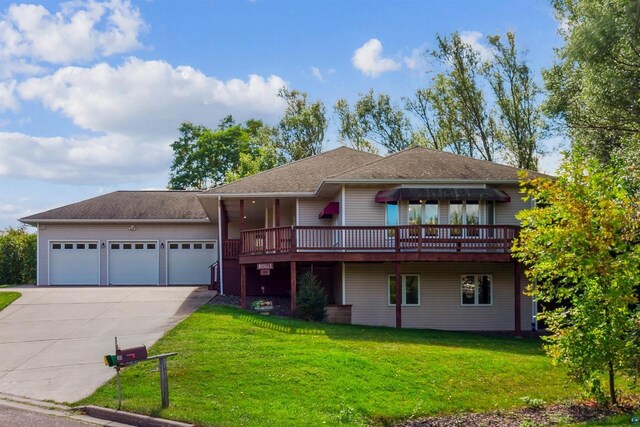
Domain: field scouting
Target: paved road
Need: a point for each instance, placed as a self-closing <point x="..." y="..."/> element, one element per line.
<point x="52" y="339"/>
<point x="23" y="418"/>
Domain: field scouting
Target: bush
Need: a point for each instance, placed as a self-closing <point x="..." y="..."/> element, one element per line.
<point x="17" y="256"/>
<point x="312" y="302"/>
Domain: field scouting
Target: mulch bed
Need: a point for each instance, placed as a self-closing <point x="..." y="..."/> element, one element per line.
<point x="552" y="415"/>
<point x="281" y="305"/>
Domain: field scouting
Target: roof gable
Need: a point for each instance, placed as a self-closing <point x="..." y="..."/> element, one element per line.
<point x="302" y="176"/>
<point x="420" y="163"/>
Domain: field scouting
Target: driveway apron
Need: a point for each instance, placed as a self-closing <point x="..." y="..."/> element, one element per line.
<point x="52" y="339"/>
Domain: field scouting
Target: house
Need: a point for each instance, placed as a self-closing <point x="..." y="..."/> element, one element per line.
<point x="417" y="239"/>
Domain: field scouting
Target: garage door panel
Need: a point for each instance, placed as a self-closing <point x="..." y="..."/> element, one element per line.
<point x="188" y="262"/>
<point x="74" y="263"/>
<point x="133" y="263"/>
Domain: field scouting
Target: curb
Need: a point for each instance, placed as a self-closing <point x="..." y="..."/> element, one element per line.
<point x="129" y="418"/>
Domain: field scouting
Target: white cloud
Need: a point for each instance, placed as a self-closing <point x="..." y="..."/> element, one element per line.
<point x="473" y="39"/>
<point x="368" y="59"/>
<point x="80" y="31"/>
<point x="8" y="100"/>
<point x="315" y="72"/>
<point x="151" y="98"/>
<point x="86" y="160"/>
<point x="418" y="59"/>
<point x="132" y="113"/>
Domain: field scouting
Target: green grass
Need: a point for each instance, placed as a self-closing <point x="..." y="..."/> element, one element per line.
<point x="7" y="298"/>
<point x="616" y="420"/>
<point x="236" y="368"/>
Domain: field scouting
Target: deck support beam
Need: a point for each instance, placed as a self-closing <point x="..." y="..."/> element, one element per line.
<point x="517" y="299"/>
<point x="294" y="291"/>
<point x="398" y="296"/>
<point x="243" y="286"/>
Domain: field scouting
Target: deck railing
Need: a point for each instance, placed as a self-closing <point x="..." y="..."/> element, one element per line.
<point x="402" y="238"/>
<point x="231" y="249"/>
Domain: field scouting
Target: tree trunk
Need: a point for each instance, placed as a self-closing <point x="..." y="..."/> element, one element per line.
<point x="612" y="384"/>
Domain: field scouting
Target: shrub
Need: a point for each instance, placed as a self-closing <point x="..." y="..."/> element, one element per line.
<point x="312" y="301"/>
<point x="17" y="256"/>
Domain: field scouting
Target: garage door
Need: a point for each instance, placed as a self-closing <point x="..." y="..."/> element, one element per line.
<point x="188" y="262"/>
<point x="133" y="263"/>
<point x="74" y="263"/>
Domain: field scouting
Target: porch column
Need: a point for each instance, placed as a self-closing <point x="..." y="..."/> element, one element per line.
<point x="243" y="286"/>
<point x="294" y="290"/>
<point x="518" y="297"/>
<point x="224" y="222"/>
<point x="241" y="214"/>
<point x="398" y="295"/>
<point x="277" y="213"/>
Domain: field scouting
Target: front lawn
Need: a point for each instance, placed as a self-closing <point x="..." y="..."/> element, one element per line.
<point x="7" y="298"/>
<point x="237" y="368"/>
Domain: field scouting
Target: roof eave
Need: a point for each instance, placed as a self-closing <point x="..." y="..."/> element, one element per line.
<point x="256" y="195"/>
<point x="30" y="221"/>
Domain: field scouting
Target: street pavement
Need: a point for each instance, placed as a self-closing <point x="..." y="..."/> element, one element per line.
<point x="52" y="339"/>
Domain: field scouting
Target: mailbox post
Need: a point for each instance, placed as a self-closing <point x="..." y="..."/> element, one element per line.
<point x="131" y="356"/>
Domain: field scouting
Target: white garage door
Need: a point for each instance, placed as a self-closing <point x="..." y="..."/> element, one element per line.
<point x="133" y="263"/>
<point x="74" y="263"/>
<point x="188" y="262"/>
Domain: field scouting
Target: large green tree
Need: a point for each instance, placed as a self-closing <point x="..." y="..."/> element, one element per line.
<point x="580" y="247"/>
<point x="594" y="84"/>
<point x="374" y="122"/>
<point x="204" y="157"/>
<point x="301" y="130"/>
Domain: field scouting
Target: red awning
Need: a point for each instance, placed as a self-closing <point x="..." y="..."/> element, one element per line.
<point x="434" y="194"/>
<point x="332" y="208"/>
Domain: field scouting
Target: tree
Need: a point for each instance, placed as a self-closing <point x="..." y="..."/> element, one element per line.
<point x="301" y="130"/>
<point x="17" y="256"/>
<point x="580" y="247"/>
<point x="519" y="123"/>
<point x="312" y="301"/>
<point x="593" y="84"/>
<point x="203" y="157"/>
<point x="373" y="123"/>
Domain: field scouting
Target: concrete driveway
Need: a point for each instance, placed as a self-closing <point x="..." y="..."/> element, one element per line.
<point x="52" y="339"/>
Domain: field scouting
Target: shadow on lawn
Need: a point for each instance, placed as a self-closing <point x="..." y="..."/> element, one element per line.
<point x="523" y="346"/>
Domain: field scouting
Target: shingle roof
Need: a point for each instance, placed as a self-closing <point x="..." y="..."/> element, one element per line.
<point x="421" y="163"/>
<point x="302" y="176"/>
<point x="129" y="205"/>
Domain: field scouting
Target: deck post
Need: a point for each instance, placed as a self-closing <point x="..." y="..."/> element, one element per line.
<point x="243" y="286"/>
<point x="277" y="213"/>
<point x="242" y="214"/>
<point x="294" y="290"/>
<point x="398" y="295"/>
<point x="517" y="300"/>
<point x="224" y="222"/>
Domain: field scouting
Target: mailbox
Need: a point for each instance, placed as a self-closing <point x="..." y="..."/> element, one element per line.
<point x="128" y="356"/>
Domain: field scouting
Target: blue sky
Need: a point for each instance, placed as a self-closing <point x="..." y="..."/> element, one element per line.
<point x="92" y="92"/>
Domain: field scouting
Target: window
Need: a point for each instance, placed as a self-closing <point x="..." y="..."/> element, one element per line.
<point x="186" y="246"/>
<point x="151" y="245"/>
<point x="464" y="213"/>
<point x="80" y="246"/>
<point x="126" y="246"/>
<point x="173" y="246"/>
<point x="115" y="246"/>
<point x="68" y="245"/>
<point x="139" y="245"/>
<point x="56" y="246"/>
<point x="423" y="213"/>
<point x="197" y="246"/>
<point x="410" y="289"/>
<point x="476" y="289"/>
<point x="93" y="246"/>
<point x="209" y="246"/>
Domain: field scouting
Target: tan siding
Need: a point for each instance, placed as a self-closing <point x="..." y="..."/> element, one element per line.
<point x="506" y="212"/>
<point x="308" y="211"/>
<point x="104" y="232"/>
<point x="361" y="208"/>
<point x="366" y="290"/>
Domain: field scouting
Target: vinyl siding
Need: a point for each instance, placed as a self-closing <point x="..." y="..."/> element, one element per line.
<point x="361" y="208"/>
<point x="308" y="211"/>
<point x="440" y="308"/>
<point x="506" y="212"/>
<point x="104" y="232"/>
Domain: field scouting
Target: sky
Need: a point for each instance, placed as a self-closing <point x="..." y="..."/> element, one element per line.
<point x="92" y="92"/>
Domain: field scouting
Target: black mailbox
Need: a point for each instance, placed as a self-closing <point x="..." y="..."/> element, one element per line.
<point x="128" y="356"/>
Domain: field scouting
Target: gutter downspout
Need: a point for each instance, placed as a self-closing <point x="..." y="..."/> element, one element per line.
<point x="220" y="246"/>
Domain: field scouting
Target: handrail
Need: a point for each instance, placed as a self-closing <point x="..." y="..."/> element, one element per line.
<point x="398" y="238"/>
<point x="215" y="274"/>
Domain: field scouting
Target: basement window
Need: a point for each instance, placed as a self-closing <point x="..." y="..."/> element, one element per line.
<point x="410" y="289"/>
<point x="476" y="289"/>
